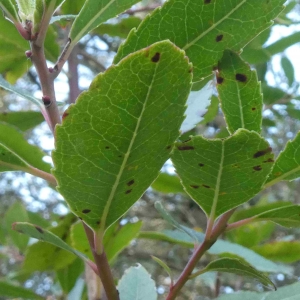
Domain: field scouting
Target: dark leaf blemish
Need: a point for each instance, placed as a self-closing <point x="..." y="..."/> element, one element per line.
<point x="169" y="147"/>
<point x="269" y="160"/>
<point x="257" y="168"/>
<point x="98" y="222"/>
<point x="131" y="182"/>
<point x="107" y="147"/>
<point x="253" y="108"/>
<point x="206" y="186"/>
<point x="201" y="165"/>
<point x="65" y="114"/>
<point x="207" y="1"/>
<point x="156" y="57"/>
<point x="191" y="70"/>
<point x="262" y="152"/>
<point x="194" y="186"/>
<point x="128" y="192"/>
<point x="220" y="80"/>
<point x="86" y="211"/>
<point x="183" y="148"/>
<point x="241" y="77"/>
<point x="39" y="229"/>
<point x="219" y="38"/>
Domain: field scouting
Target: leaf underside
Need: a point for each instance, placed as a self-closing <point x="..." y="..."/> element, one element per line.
<point x="221" y="174"/>
<point x="116" y="138"/>
<point x="203" y="28"/>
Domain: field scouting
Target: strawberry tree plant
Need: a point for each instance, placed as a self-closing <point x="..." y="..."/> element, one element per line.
<point x="111" y="144"/>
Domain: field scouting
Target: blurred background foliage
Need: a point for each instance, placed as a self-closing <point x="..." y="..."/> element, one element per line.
<point x="56" y="274"/>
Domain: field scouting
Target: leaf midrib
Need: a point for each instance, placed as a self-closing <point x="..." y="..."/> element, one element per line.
<point x="187" y="46"/>
<point x="126" y="156"/>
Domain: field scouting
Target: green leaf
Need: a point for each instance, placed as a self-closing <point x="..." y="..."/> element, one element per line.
<point x="221" y="247"/>
<point x="104" y="165"/>
<point x="23" y="120"/>
<point x="164" y="266"/>
<point x="62" y="18"/>
<point x="282" y="251"/>
<point x="167" y="183"/>
<point x="9" y="9"/>
<point x="136" y="284"/>
<point x="288" y="70"/>
<point x="16" y="154"/>
<point x="116" y="239"/>
<point x="16" y="212"/>
<point x="11" y="291"/>
<point x="239" y="93"/>
<point x="203" y="28"/>
<point x="287" y="164"/>
<point x="12" y="48"/>
<point x="42" y="256"/>
<point x="26" y="9"/>
<point x="289" y="292"/>
<point x="236" y="266"/>
<point x="68" y="276"/>
<point x="212" y="110"/>
<point x="72" y="7"/>
<point x="287" y="216"/>
<point x="51" y="45"/>
<point x="95" y="12"/>
<point x="7" y="86"/>
<point x="120" y="29"/>
<point x="272" y="94"/>
<point x="237" y="166"/>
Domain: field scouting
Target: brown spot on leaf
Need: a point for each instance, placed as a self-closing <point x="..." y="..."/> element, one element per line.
<point x="241" y="77"/>
<point x="65" y="114"/>
<point x="201" y="165"/>
<point x="131" y="182"/>
<point x="107" y="147"/>
<point x="169" y="147"/>
<point x="194" y="186"/>
<point x="156" y="57"/>
<point x="219" y="38"/>
<point x="98" y="222"/>
<point x="39" y="229"/>
<point x="262" y="152"/>
<point x="257" y="168"/>
<point x="278" y="174"/>
<point x="220" y="80"/>
<point x="128" y="192"/>
<point x="253" y="108"/>
<point x="207" y="1"/>
<point x="269" y="160"/>
<point x="184" y="148"/>
<point x="206" y="186"/>
<point x="191" y="70"/>
<point x="86" y="211"/>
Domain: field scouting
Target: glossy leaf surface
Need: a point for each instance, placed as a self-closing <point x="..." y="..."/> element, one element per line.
<point x="203" y="28"/>
<point x="104" y="164"/>
<point x="222" y="174"/>
<point x="239" y="93"/>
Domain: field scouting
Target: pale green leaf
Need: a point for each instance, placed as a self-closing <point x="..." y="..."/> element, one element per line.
<point x="11" y="290"/>
<point x="136" y="284"/>
<point x="16" y="154"/>
<point x="239" y="93"/>
<point x="212" y="110"/>
<point x="239" y="267"/>
<point x="104" y="164"/>
<point x="221" y="174"/>
<point x="7" y="86"/>
<point x="167" y="183"/>
<point x="282" y="251"/>
<point x="289" y="292"/>
<point x="23" y="120"/>
<point x="287" y="164"/>
<point x="288" y="70"/>
<point x="61" y="18"/>
<point x="16" y="212"/>
<point x="120" y="29"/>
<point x="163" y="265"/>
<point x="95" y="12"/>
<point x="272" y="94"/>
<point x="203" y="28"/>
<point x="26" y="9"/>
<point x="221" y="247"/>
<point x="9" y="9"/>
<point x="52" y="258"/>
